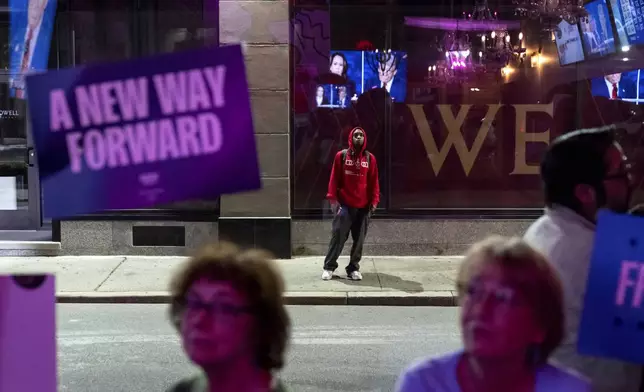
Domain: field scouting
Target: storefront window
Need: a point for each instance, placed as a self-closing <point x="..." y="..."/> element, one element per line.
<point x="458" y="107"/>
<point x="180" y="25"/>
<point x="176" y="26"/>
<point x="101" y="32"/>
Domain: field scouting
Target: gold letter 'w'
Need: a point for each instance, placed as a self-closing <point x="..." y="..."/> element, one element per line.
<point x="454" y="135"/>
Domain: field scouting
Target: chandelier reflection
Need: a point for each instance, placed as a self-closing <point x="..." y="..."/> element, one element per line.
<point x="551" y="12"/>
<point x="457" y="65"/>
<point x="382" y="61"/>
<point x="498" y="49"/>
<point x="482" y="45"/>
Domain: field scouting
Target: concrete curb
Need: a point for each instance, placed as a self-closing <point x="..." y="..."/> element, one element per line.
<point x="362" y="298"/>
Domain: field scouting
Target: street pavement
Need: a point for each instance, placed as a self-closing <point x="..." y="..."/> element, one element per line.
<point x="118" y="347"/>
<point x="427" y="280"/>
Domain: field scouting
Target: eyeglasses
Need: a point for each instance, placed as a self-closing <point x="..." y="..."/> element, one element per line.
<point x="218" y="308"/>
<point x="500" y="295"/>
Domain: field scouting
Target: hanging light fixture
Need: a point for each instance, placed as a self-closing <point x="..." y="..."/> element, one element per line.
<point x="551" y="12"/>
<point x="498" y="49"/>
<point x="483" y="45"/>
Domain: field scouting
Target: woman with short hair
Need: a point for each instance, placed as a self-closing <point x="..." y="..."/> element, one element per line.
<point x="511" y="318"/>
<point x="228" y="306"/>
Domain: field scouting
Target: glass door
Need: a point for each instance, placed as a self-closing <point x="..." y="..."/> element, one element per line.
<point x="19" y="184"/>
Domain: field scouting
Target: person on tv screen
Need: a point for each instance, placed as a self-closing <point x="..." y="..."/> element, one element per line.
<point x="343" y="99"/>
<point x="338" y="64"/>
<point x="320" y="98"/>
<point x="387" y="79"/>
<point x="590" y="33"/>
<point x="339" y="68"/>
<point x="597" y="35"/>
<point x="614" y="86"/>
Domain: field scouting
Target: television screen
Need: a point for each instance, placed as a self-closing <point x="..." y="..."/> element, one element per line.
<point x="628" y="21"/>
<point x="569" y="44"/>
<point x="596" y="30"/>
<point x="622" y="86"/>
<point x="369" y="70"/>
<point x="332" y="96"/>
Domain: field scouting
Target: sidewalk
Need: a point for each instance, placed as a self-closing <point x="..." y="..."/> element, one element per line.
<point x="399" y="281"/>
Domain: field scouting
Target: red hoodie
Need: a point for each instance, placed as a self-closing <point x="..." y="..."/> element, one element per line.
<point x="357" y="185"/>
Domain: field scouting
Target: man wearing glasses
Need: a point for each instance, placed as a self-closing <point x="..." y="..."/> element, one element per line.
<point x="582" y="172"/>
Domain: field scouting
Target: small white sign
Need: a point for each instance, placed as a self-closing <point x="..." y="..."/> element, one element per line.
<point x="8" y="193"/>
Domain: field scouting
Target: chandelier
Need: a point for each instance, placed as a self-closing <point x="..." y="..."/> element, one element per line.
<point x="484" y="45"/>
<point x="551" y="12"/>
<point x="457" y="65"/>
<point x="482" y="13"/>
<point x="382" y="61"/>
<point x="497" y="49"/>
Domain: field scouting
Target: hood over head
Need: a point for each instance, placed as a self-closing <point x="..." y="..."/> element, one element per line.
<point x="364" y="144"/>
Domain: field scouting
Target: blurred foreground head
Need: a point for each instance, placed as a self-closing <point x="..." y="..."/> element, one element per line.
<point x="586" y="170"/>
<point x="228" y="306"/>
<point x="511" y="303"/>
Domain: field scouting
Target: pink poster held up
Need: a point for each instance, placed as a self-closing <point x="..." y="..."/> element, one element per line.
<point x="28" y="333"/>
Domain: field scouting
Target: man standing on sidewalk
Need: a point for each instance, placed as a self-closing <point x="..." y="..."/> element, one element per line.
<point x="582" y="172"/>
<point x="354" y="193"/>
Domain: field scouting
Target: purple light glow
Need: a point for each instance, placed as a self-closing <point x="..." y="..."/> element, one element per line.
<point x="459" y="64"/>
<point x="449" y="24"/>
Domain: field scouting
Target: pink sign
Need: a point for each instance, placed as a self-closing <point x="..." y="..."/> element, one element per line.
<point x="28" y="333"/>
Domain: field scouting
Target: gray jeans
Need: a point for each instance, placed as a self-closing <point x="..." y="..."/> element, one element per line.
<point x="347" y="220"/>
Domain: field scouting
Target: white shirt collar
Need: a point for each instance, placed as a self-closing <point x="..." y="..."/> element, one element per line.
<point x="570" y="216"/>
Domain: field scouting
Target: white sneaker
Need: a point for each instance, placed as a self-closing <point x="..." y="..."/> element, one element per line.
<point x="355" y="275"/>
<point x="327" y="275"/>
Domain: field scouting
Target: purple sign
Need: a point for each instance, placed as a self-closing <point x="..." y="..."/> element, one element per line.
<point x="145" y="132"/>
<point x="611" y="322"/>
<point x="28" y="333"/>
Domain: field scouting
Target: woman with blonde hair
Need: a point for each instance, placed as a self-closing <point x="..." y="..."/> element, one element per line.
<point x="511" y="318"/>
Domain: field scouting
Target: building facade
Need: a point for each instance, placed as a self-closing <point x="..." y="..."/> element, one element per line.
<point x="458" y="160"/>
<point x="253" y="219"/>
